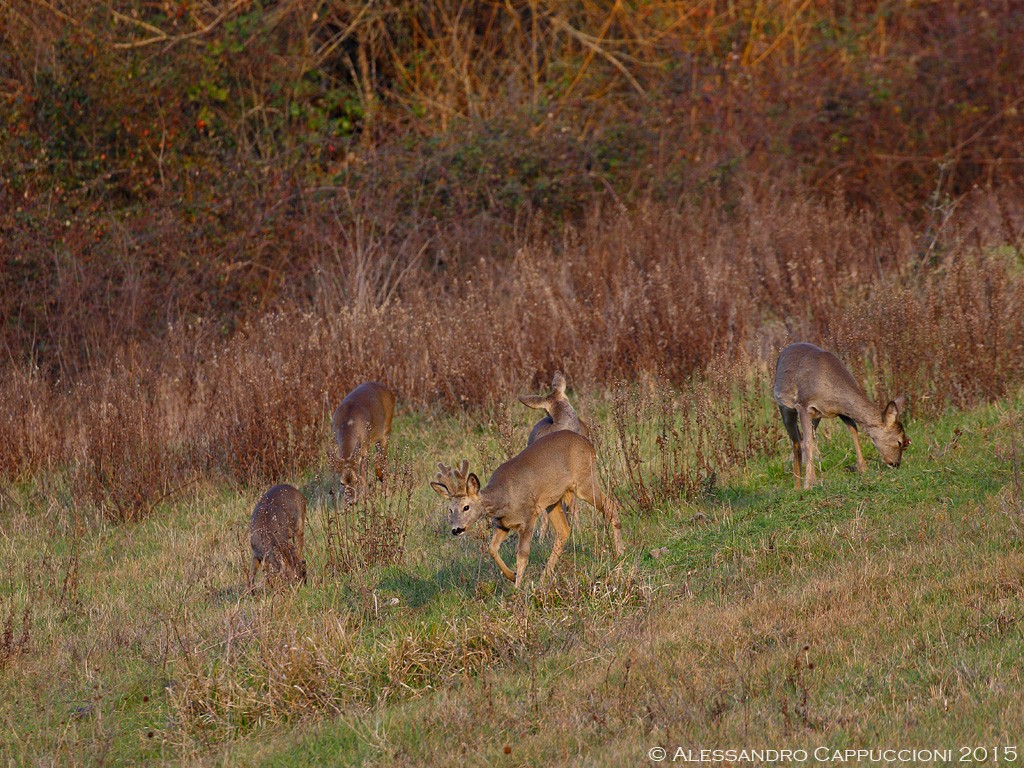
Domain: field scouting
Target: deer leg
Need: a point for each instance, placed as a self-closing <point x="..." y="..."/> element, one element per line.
<point x="542" y="528"/>
<point x="364" y="468"/>
<point x="254" y="566"/>
<point x="569" y="507"/>
<point x="561" y="526"/>
<point x="817" y="449"/>
<point x="591" y="493"/>
<point x="808" y="446"/>
<point x="610" y="510"/>
<point x="382" y="457"/>
<point x="494" y="547"/>
<point x="796" y="463"/>
<point x="299" y="544"/>
<point x="523" y="550"/>
<point x="862" y="466"/>
<point x="565" y="504"/>
<point x="790" y="421"/>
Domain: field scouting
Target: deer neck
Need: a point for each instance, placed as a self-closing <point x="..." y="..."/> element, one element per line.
<point x="491" y="510"/>
<point x="863" y="411"/>
<point x="562" y="413"/>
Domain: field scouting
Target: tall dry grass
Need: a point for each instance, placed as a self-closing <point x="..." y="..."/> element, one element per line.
<point x="701" y="295"/>
<point x="673" y="442"/>
<point x="370" y="531"/>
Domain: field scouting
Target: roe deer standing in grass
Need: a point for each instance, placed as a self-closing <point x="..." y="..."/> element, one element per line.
<point x="553" y="469"/>
<point x="276" y="534"/>
<point x="812" y="384"/>
<point x="362" y="420"/>
<point x="561" y="414"/>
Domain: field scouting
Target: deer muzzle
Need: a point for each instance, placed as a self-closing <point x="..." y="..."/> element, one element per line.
<point x="458" y="531"/>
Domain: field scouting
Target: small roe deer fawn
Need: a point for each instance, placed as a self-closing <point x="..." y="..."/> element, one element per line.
<point x="362" y="420"/>
<point x="276" y="534"/>
<point x="812" y="384"/>
<point x="552" y="470"/>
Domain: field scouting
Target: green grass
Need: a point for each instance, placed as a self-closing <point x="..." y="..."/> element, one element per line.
<point x="904" y="586"/>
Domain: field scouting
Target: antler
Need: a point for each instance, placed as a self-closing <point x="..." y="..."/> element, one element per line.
<point x="454" y="479"/>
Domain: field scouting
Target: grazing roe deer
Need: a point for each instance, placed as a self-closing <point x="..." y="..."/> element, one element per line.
<point x="555" y="468"/>
<point x="812" y="384"/>
<point x="277" y="532"/>
<point x="362" y="420"/>
<point x="560" y="413"/>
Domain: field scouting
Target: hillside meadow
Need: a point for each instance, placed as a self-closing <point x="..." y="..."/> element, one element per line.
<point x="874" y="611"/>
<point x="217" y="218"/>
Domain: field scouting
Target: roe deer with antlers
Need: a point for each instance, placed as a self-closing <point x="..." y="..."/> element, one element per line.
<point x="276" y="534"/>
<point x="362" y="420"/>
<point x="812" y="384"/>
<point x="560" y="413"/>
<point x="555" y="468"/>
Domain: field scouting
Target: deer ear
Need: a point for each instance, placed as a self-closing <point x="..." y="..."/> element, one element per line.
<point x="900" y="403"/>
<point x="473" y="483"/>
<point x="442" y="489"/>
<point x="534" y="401"/>
<point x="890" y="413"/>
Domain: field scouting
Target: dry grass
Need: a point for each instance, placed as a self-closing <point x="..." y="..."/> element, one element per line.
<point x="207" y="239"/>
<point x="670" y="444"/>
<point x="348" y="190"/>
<point x="656" y="291"/>
<point x="399" y="623"/>
<point x="371" y="531"/>
<point x="881" y="611"/>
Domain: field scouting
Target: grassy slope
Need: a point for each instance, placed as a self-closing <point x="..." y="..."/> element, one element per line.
<point x="906" y="588"/>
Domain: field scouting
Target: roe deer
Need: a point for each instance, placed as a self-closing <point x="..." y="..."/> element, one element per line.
<point x="561" y="414"/>
<point x="812" y="384"/>
<point x="363" y="419"/>
<point x="555" y="468"/>
<point x="276" y="534"/>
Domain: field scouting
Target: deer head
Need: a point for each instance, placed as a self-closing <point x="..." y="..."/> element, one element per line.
<point x="462" y="490"/>
<point x="889" y="437"/>
<point x="544" y="402"/>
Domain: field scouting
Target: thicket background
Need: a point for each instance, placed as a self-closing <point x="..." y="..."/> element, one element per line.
<point x="217" y="217"/>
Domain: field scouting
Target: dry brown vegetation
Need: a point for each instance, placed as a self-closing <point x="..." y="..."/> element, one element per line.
<point x="167" y="163"/>
<point x="372" y="531"/>
<point x="216" y="218"/>
<point x="686" y="293"/>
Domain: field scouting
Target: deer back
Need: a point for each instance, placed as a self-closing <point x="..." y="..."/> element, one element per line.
<point x="560" y="413"/>
<point x="277" y="520"/>
<point x="806" y="375"/>
<point x="363" y="417"/>
<point x="542" y="472"/>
